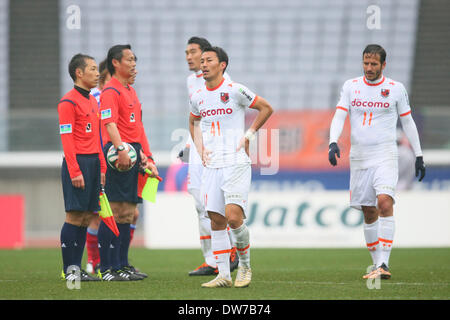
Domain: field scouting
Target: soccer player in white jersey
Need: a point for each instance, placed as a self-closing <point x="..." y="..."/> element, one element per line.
<point x="217" y="125"/>
<point x="195" y="81"/>
<point x="374" y="104"/>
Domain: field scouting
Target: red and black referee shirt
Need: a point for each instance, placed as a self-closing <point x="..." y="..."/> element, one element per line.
<point x="121" y="105"/>
<point x="79" y="128"/>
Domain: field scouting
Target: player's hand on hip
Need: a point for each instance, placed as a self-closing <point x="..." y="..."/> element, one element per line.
<point x="244" y="143"/>
<point x="78" y="181"/>
<point x="123" y="160"/>
<point x="333" y="150"/>
<point x="420" y="168"/>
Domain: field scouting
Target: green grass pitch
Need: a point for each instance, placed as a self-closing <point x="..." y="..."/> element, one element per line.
<point x="278" y="274"/>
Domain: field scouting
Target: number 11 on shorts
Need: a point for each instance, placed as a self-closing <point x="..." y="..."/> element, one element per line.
<point x="213" y="128"/>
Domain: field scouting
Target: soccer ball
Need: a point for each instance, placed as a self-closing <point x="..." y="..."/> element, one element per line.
<point x="112" y="156"/>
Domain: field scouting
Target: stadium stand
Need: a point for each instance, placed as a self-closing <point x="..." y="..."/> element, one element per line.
<point x="296" y="54"/>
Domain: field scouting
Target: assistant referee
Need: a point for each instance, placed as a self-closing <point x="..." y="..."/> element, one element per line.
<point x="84" y="166"/>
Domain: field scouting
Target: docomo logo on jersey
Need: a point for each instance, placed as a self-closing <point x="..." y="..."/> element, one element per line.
<point x="215" y="112"/>
<point x="370" y="104"/>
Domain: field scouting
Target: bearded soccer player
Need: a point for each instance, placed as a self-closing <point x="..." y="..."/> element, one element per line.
<point x="121" y="122"/>
<point x="374" y="104"/>
<point x="83" y="167"/>
<point x="217" y="125"/>
<point x="195" y="82"/>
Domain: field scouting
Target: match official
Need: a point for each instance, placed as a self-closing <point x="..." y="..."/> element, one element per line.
<point x="83" y="167"/>
<point x="121" y="116"/>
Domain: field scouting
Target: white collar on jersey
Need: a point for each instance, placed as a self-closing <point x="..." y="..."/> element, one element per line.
<point x="198" y="73"/>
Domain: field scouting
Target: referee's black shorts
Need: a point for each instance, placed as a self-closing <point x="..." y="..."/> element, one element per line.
<point x="77" y="199"/>
<point x="123" y="186"/>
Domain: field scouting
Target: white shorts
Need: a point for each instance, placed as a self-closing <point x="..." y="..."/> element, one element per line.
<point x="366" y="184"/>
<point x="222" y="186"/>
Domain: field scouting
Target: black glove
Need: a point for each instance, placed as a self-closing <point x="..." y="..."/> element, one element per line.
<point x="420" y="167"/>
<point x="184" y="154"/>
<point x="332" y="150"/>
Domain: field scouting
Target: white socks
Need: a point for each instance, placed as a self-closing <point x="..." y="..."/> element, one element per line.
<point x="221" y="248"/>
<point x="242" y="242"/>
<point x="386" y="231"/>
<point x="204" y="227"/>
<point x="379" y="238"/>
<point x="371" y="236"/>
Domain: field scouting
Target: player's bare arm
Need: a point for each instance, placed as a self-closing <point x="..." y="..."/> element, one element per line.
<point x="264" y="112"/>
<point x="196" y="134"/>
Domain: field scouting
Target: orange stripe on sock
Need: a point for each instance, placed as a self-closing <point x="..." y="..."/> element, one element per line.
<point x="243" y="249"/>
<point x="385" y="240"/>
<point x="373" y="243"/>
<point x="205" y="237"/>
<point x="222" y="251"/>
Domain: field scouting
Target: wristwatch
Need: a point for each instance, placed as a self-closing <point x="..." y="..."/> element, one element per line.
<point x="120" y="148"/>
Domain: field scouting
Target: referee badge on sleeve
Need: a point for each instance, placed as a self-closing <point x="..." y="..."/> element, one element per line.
<point x="65" y="128"/>
<point x="106" y="114"/>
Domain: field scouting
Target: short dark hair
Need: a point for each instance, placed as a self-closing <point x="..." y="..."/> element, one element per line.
<point x="78" y="61"/>
<point x="375" y="49"/>
<point x="202" y="42"/>
<point x="103" y="72"/>
<point x="115" y="52"/>
<point x="221" y="54"/>
<point x="102" y="66"/>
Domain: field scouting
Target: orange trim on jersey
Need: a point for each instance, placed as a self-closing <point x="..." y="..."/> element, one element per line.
<point x="385" y="240"/>
<point x="405" y="114"/>
<point x="373" y="243"/>
<point x="212" y="89"/>
<point x="222" y="251"/>
<point x="205" y="237"/>
<point x="243" y="249"/>
<point x="253" y="103"/>
<point x="195" y="116"/>
<point x="342" y="108"/>
<point x="373" y="84"/>
<point x="199" y="75"/>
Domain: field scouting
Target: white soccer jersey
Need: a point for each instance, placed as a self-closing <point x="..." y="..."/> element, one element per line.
<point x="373" y="110"/>
<point x="222" y="114"/>
<point x="96" y="93"/>
<point x="195" y="82"/>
